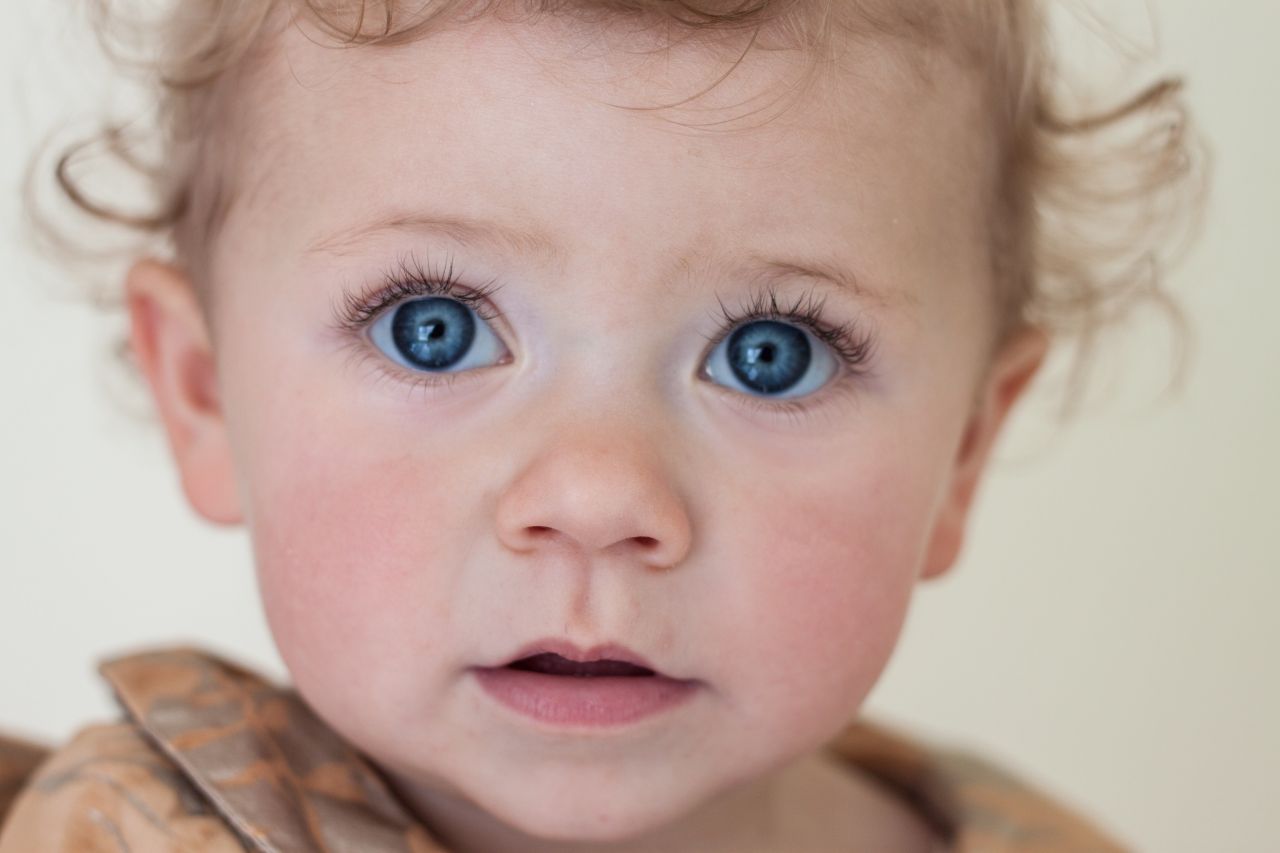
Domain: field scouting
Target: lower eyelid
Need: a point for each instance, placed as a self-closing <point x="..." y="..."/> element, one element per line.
<point x="840" y="389"/>
<point x="362" y="356"/>
<point x="792" y="411"/>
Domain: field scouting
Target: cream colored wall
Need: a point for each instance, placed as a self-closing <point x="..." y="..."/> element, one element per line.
<point x="1109" y="632"/>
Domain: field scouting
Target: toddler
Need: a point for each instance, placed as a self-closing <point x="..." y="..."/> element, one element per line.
<point x="596" y="380"/>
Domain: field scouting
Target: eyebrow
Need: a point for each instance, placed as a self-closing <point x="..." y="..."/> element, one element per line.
<point x="521" y="241"/>
<point x="833" y="274"/>
<point x="469" y="232"/>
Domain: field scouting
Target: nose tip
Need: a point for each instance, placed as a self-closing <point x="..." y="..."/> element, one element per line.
<point x="616" y="499"/>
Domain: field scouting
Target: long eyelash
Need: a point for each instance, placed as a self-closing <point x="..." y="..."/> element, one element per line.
<point x="852" y="343"/>
<point x="408" y="279"/>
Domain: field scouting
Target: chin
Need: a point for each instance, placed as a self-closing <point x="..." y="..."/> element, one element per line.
<point x="591" y="815"/>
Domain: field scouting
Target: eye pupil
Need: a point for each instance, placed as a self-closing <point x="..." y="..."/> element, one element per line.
<point x="769" y="357"/>
<point x="433" y="333"/>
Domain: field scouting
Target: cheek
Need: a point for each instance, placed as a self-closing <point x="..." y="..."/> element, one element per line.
<point x="831" y="562"/>
<point x="352" y="538"/>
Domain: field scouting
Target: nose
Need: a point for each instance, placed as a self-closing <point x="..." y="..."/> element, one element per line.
<point x="602" y="491"/>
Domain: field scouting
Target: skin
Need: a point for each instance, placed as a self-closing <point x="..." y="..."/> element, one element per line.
<point x="593" y="485"/>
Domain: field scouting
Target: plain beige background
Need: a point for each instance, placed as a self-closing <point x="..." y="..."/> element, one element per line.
<point x="1109" y="633"/>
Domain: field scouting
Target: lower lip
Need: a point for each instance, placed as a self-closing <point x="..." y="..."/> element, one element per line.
<point x="571" y="701"/>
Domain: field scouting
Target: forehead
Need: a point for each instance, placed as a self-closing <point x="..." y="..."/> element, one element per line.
<point x="583" y="138"/>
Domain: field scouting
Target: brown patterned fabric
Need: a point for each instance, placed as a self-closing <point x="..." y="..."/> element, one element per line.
<point x="109" y="791"/>
<point x="18" y="758"/>
<point x="214" y="758"/>
<point x="978" y="807"/>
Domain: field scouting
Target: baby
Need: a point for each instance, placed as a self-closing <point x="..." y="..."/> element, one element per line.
<point x="596" y="380"/>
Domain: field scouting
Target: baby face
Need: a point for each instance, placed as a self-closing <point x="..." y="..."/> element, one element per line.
<point x="505" y="370"/>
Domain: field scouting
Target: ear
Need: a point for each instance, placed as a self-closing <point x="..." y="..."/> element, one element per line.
<point x="1009" y="375"/>
<point x="172" y="346"/>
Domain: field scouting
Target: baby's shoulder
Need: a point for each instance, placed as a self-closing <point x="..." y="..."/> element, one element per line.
<point x="977" y="804"/>
<point x="106" y="788"/>
<point x="209" y="756"/>
<point x="18" y="760"/>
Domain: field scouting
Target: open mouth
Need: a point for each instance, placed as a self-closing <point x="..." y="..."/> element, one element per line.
<point x="562" y="692"/>
<point x="549" y="663"/>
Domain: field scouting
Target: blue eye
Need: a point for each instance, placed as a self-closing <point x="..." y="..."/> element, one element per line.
<point x="430" y="324"/>
<point x="775" y="359"/>
<point x="437" y="335"/>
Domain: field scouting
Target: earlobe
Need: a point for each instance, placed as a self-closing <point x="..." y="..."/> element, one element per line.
<point x="171" y="344"/>
<point x="1010" y="375"/>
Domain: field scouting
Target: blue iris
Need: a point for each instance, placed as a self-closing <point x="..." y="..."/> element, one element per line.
<point x="769" y="357"/>
<point x="440" y="334"/>
<point x="432" y="334"/>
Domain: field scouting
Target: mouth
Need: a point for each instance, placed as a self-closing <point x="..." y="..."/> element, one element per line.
<point x="557" y="684"/>
<point x="550" y="663"/>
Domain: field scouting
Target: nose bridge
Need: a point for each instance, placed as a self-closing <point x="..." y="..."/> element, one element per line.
<point x="598" y="479"/>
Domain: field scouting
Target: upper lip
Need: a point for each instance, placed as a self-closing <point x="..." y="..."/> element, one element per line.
<point x="571" y="651"/>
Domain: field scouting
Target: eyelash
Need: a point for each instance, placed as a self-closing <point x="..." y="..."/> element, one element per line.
<point x="408" y="279"/>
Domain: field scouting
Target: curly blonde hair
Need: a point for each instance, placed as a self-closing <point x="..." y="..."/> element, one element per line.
<point x="1088" y="207"/>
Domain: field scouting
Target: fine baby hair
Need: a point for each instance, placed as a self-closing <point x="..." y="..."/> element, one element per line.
<point x="596" y="380"/>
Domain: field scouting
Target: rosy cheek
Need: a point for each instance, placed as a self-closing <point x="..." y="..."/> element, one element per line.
<point x="828" y="571"/>
<point x="351" y="535"/>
